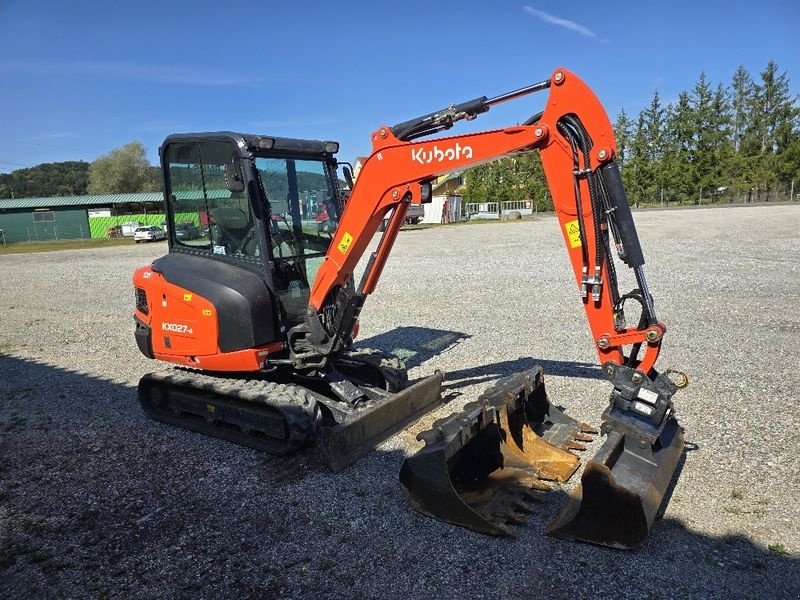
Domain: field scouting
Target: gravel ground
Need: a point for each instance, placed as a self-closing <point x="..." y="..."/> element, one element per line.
<point x="98" y="501"/>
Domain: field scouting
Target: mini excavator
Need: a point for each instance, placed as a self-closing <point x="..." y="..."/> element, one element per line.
<point x="258" y="307"/>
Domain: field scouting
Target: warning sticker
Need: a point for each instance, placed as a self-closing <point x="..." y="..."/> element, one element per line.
<point x="207" y="312"/>
<point x="187" y="297"/>
<point x="573" y="233"/>
<point x="345" y="242"/>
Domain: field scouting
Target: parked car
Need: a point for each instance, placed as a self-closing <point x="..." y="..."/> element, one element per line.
<point x="130" y="227"/>
<point x="186" y="231"/>
<point x="414" y="214"/>
<point x="149" y="233"/>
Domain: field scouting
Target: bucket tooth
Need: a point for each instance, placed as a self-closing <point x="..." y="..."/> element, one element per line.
<point x="545" y="420"/>
<point x="576" y="446"/>
<point x="622" y="488"/>
<point x="516" y="519"/>
<point x="534" y="495"/>
<point x="521" y="506"/>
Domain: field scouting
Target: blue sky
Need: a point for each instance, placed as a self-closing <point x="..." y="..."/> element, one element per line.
<point x="79" y="78"/>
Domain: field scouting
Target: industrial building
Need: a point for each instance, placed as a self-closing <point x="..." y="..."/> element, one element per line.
<point x="77" y="217"/>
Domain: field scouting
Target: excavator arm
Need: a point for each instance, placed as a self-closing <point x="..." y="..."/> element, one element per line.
<point x="623" y="486"/>
<point x="576" y="143"/>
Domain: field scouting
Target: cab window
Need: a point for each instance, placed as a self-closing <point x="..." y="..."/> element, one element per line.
<point x="206" y="216"/>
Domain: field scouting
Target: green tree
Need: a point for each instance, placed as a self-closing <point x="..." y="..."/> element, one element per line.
<point x="741" y="103"/>
<point x="124" y="170"/>
<point x="68" y="178"/>
<point x="654" y="125"/>
<point x="622" y="131"/>
<point x="774" y="110"/>
<point x="771" y="132"/>
<point x="639" y="168"/>
<point x="677" y="162"/>
<point x="703" y="123"/>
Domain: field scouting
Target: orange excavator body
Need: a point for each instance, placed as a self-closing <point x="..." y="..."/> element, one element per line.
<point x="245" y="299"/>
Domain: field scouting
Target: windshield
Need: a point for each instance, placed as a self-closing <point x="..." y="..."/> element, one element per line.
<point x="303" y="215"/>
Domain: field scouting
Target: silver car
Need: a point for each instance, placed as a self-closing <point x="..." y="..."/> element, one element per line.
<point x="148" y="233"/>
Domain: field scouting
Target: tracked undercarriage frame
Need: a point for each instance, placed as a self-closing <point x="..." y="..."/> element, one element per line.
<point x="348" y="416"/>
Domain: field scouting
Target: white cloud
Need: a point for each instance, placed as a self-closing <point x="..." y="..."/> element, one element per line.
<point x="558" y="21"/>
<point x="58" y="135"/>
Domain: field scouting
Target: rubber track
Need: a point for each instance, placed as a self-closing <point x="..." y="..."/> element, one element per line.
<point x="297" y="406"/>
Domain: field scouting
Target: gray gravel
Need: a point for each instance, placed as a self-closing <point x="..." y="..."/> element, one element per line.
<point x="98" y="501"/>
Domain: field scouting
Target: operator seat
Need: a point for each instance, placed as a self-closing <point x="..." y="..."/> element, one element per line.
<point x="233" y="229"/>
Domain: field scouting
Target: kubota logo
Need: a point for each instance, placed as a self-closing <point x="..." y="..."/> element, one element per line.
<point x="176" y="328"/>
<point x="436" y="154"/>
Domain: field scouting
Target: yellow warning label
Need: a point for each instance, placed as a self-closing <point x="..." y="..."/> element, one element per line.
<point x="573" y="233"/>
<point x="345" y="242"/>
<point x="187" y="297"/>
<point x="207" y="312"/>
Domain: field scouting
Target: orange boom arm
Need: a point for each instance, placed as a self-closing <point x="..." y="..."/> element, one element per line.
<point x="577" y="146"/>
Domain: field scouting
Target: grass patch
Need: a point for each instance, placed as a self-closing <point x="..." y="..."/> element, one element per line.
<point x="777" y="549"/>
<point x="53" y="245"/>
<point x="737" y="494"/>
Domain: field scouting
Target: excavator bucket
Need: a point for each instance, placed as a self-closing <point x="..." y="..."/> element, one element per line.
<point x="540" y="421"/>
<point x="622" y="488"/>
<point x="480" y="467"/>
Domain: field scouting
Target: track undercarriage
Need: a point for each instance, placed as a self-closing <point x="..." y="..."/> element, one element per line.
<point x="361" y="400"/>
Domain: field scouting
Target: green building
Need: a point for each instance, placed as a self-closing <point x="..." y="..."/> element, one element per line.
<point x="78" y="217"/>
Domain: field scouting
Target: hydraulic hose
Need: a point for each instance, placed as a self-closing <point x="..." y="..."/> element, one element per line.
<point x="585" y="144"/>
<point x="570" y="136"/>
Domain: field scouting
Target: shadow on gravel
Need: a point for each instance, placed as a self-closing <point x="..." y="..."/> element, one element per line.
<point x="415" y="345"/>
<point x="96" y="500"/>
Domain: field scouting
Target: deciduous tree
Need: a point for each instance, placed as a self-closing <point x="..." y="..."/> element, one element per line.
<point x="123" y="170"/>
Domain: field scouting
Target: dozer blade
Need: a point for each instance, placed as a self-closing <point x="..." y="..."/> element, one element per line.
<point x="622" y="488"/>
<point x="376" y="421"/>
<point x="481" y="466"/>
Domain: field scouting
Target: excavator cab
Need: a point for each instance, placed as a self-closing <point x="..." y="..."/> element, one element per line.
<point x="252" y="201"/>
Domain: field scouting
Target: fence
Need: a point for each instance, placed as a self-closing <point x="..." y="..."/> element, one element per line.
<point x="665" y="196"/>
<point x="37" y="232"/>
<point x="493" y="210"/>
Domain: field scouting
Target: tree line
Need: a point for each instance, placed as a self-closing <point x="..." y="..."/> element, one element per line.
<point x="70" y="178"/>
<point x="712" y="143"/>
<point x="123" y="170"/>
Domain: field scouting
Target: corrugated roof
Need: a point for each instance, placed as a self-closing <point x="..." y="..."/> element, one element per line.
<point x="102" y="199"/>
